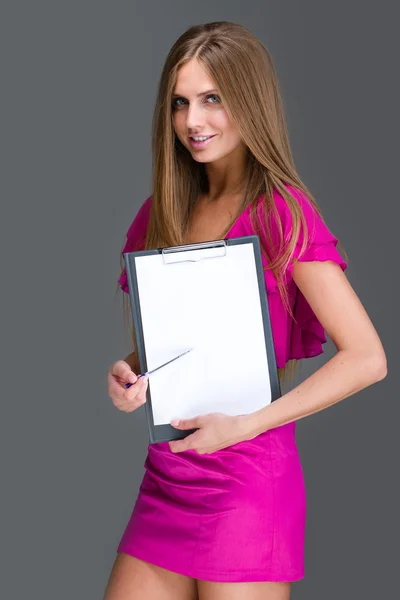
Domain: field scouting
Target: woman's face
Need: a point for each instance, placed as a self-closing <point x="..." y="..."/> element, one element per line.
<point x="198" y="112"/>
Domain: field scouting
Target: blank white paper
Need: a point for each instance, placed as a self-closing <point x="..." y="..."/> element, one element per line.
<point x="212" y="306"/>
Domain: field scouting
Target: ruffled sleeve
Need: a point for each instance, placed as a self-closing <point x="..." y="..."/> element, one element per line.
<point x="307" y="334"/>
<point x="136" y="237"/>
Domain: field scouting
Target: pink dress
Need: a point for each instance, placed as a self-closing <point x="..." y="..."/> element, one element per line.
<point x="238" y="514"/>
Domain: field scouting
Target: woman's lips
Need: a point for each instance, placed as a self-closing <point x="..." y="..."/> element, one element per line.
<point x="195" y="144"/>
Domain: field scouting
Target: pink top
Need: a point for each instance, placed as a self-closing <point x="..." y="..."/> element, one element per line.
<point x="292" y="340"/>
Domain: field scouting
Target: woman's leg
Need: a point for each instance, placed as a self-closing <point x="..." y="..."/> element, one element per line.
<point x="210" y="590"/>
<point x="134" y="579"/>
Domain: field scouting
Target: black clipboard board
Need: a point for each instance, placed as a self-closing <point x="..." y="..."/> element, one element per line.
<point x="165" y="432"/>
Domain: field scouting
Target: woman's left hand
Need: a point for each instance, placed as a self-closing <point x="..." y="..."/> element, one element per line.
<point x="214" y="432"/>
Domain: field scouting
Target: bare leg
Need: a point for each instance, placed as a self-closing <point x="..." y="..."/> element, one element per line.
<point x="210" y="590"/>
<point x="134" y="579"/>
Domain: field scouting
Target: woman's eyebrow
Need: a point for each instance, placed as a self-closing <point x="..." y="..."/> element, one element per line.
<point x="175" y="95"/>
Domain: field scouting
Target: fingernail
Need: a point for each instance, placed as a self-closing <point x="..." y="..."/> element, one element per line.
<point x="175" y="422"/>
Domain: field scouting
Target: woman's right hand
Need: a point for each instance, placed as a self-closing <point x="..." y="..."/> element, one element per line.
<point x="126" y="399"/>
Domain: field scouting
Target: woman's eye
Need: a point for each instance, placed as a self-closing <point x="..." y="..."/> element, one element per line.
<point x="176" y="101"/>
<point x="213" y="96"/>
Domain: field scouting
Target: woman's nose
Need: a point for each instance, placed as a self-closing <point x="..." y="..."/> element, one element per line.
<point x="195" y="117"/>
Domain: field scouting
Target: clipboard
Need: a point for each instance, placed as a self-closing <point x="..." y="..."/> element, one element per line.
<point x="192" y="296"/>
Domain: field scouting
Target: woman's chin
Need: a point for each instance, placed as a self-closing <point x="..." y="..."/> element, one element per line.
<point x="204" y="157"/>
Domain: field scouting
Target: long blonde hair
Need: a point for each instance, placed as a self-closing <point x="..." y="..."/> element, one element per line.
<point x="243" y="72"/>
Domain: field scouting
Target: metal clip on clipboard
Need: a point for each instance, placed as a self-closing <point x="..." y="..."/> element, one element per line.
<point x="198" y="252"/>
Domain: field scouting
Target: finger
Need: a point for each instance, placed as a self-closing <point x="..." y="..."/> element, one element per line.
<point x="117" y="390"/>
<point x="190" y="442"/>
<point x="137" y="390"/>
<point x="193" y="423"/>
<point x="131" y="399"/>
<point x="142" y="396"/>
<point x="122" y="370"/>
<point x="180" y="445"/>
<point x="133" y="404"/>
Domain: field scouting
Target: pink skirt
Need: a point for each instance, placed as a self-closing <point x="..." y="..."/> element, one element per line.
<point x="235" y="515"/>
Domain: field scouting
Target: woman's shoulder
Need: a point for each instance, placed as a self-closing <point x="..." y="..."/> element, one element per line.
<point x="136" y="234"/>
<point x="136" y="237"/>
<point x="307" y="208"/>
<point x="141" y="218"/>
<point x="316" y="228"/>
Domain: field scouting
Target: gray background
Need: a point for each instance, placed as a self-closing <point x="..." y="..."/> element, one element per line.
<point x="77" y="92"/>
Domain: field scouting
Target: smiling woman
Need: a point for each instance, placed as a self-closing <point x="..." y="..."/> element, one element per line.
<point x="201" y="121"/>
<point x="221" y="514"/>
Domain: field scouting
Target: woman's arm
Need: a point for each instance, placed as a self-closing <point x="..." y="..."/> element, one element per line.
<point x="359" y="362"/>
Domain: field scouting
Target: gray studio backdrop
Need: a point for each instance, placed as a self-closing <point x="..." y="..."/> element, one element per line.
<point x="78" y="89"/>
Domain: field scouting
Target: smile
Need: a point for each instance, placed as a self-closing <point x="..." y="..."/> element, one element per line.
<point x="199" y="141"/>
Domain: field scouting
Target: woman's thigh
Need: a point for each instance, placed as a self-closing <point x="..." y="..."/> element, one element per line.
<point x="210" y="590"/>
<point x="134" y="579"/>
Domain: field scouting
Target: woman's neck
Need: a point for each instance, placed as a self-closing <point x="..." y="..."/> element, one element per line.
<point x="226" y="176"/>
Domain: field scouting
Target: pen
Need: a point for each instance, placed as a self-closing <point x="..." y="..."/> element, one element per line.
<point x="128" y="385"/>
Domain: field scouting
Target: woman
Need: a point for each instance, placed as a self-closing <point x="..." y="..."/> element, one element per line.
<point x="221" y="513"/>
